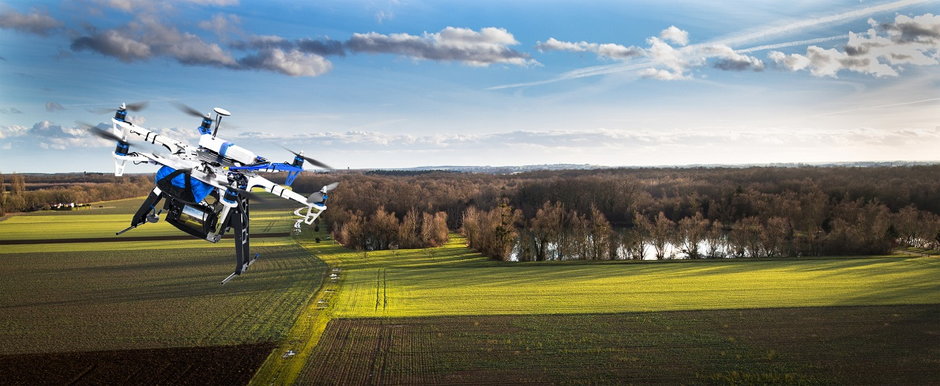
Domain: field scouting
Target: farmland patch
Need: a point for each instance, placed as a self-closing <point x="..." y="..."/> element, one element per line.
<point x="843" y="345"/>
<point x="219" y="365"/>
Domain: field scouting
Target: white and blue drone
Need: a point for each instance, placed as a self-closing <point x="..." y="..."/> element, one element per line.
<point x="206" y="188"/>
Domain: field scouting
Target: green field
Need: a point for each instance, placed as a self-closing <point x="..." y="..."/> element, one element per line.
<point x="115" y="216"/>
<point x="450" y="315"/>
<point x="445" y="315"/>
<point x="817" y="345"/>
<point x="148" y="299"/>
<point x="453" y="281"/>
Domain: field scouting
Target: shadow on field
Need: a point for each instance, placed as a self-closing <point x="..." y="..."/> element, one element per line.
<point x="139" y="277"/>
<point x="219" y="365"/>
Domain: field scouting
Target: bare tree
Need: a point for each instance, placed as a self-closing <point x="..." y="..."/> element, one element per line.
<point x="547" y="227"/>
<point x="775" y="237"/>
<point x="661" y="234"/>
<point x="716" y="240"/>
<point x="635" y="239"/>
<point x="599" y="236"/>
<point x="692" y="231"/>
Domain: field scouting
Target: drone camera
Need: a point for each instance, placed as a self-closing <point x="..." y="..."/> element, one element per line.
<point x="197" y="220"/>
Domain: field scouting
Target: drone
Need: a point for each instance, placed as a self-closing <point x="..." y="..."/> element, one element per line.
<point x="206" y="187"/>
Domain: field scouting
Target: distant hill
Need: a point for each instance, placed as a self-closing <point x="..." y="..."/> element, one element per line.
<point x="530" y="168"/>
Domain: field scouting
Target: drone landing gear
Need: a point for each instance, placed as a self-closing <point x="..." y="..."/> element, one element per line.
<point x="238" y="219"/>
<point x="147" y="211"/>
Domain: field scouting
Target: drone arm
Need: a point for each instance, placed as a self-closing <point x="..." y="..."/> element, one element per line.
<point x="314" y="209"/>
<point x="276" y="189"/>
<point x="145" y="135"/>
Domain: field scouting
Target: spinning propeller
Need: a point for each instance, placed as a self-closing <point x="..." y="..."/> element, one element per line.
<point x="191" y="111"/>
<point x="310" y="160"/>
<point x="318" y="197"/>
<point x="124" y="106"/>
<point x="103" y="133"/>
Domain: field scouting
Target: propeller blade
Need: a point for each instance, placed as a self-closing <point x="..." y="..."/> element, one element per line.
<point x="102" y="110"/>
<point x="137" y="106"/>
<point x="310" y="160"/>
<point x="315" y="197"/>
<point x="128" y="106"/>
<point x="106" y="134"/>
<point x="189" y="110"/>
<point x="328" y="188"/>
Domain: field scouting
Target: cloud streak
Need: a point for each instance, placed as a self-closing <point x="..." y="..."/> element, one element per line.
<point x="481" y="48"/>
<point x="605" y="50"/>
<point x="642" y="64"/>
<point x="146" y="38"/>
<point x="33" y="23"/>
<point x="49" y="135"/>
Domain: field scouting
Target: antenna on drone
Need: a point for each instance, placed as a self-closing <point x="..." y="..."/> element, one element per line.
<point x="219" y="113"/>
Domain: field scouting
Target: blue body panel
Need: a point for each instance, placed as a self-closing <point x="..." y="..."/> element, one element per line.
<point x="199" y="189"/>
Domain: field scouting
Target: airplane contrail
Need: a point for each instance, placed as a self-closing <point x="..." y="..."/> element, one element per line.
<point x="732" y="41"/>
<point x="839" y="17"/>
<point x="791" y="44"/>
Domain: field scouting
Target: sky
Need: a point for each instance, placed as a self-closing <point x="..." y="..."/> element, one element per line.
<point x="399" y="83"/>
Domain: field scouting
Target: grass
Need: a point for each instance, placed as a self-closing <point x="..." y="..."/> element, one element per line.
<point x="454" y="281"/>
<point x="449" y="315"/>
<point x="819" y="345"/>
<point x="81" y="297"/>
<point x="53" y="225"/>
<point x="109" y="300"/>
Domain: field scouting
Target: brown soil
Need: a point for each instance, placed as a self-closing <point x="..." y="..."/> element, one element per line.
<point x="220" y="365"/>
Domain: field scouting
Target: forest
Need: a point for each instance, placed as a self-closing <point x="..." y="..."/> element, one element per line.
<point x="31" y="192"/>
<point x="639" y="213"/>
<point x="648" y="213"/>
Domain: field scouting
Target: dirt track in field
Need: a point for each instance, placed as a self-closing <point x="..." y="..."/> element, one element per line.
<point x="131" y="238"/>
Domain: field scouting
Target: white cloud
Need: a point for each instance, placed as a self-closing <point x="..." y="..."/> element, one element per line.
<point x="475" y="48"/>
<point x="166" y="5"/>
<point x="735" y="39"/>
<point x="671" y="63"/>
<point x="53" y="107"/>
<point x="907" y="41"/>
<point x="222" y="25"/>
<point x="660" y="60"/>
<point x="144" y="38"/>
<point x="605" y="50"/>
<point x="292" y="62"/>
<point x="34" y="22"/>
<point x="12" y="131"/>
<point x="675" y="35"/>
<point x="51" y="136"/>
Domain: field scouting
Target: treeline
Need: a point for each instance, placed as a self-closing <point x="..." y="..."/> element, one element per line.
<point x="558" y="233"/>
<point x="16" y="197"/>
<point x="383" y="230"/>
<point x="632" y="213"/>
<point x="372" y="211"/>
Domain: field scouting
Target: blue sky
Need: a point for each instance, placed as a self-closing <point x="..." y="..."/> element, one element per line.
<point x="370" y="84"/>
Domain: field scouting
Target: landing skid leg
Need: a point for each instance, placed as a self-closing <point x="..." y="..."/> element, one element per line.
<point x="239" y="220"/>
